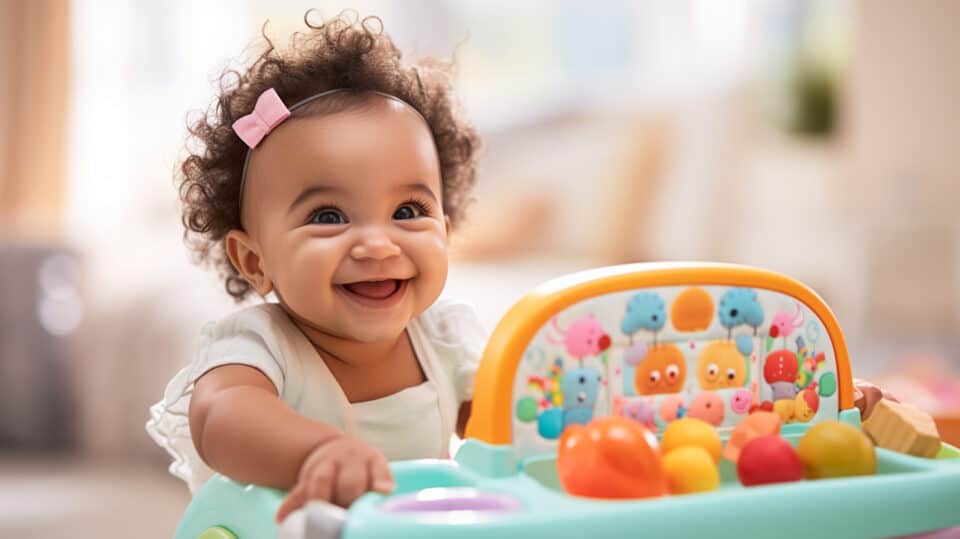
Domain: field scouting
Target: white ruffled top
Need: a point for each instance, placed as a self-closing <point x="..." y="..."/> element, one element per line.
<point x="416" y="422"/>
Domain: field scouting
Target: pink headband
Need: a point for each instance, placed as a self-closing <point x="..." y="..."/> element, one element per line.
<point x="269" y="112"/>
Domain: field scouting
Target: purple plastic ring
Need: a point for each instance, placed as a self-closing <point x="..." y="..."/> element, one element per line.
<point x="451" y="499"/>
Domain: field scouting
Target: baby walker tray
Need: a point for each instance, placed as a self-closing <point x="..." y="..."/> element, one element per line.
<point x="654" y="344"/>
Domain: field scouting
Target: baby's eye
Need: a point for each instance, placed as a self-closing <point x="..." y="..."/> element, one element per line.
<point x="407" y="211"/>
<point x="328" y="216"/>
<point x="411" y="209"/>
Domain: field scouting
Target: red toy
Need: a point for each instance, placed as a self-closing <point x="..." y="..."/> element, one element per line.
<point x="768" y="459"/>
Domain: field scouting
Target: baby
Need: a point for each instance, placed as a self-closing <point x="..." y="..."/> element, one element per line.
<point x="329" y="176"/>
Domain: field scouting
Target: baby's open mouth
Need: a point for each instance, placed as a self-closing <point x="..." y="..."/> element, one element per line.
<point x="374" y="289"/>
<point x="375" y="293"/>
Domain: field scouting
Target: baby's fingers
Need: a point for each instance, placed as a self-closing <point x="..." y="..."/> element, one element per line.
<point x="381" y="478"/>
<point x="352" y="482"/>
<point x="322" y="480"/>
<point x="294" y="500"/>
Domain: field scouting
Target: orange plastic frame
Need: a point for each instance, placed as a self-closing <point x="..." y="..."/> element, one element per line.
<point x="492" y="411"/>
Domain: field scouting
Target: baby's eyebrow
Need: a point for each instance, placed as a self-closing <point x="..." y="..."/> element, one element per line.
<point x="309" y="192"/>
<point x="419" y="187"/>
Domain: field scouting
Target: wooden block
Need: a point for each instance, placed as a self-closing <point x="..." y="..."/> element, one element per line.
<point x="903" y="428"/>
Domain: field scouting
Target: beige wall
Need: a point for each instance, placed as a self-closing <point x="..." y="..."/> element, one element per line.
<point x="902" y="129"/>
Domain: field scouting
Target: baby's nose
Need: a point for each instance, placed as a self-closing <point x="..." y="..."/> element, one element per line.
<point x="374" y="246"/>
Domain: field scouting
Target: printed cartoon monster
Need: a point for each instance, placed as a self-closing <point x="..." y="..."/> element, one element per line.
<point x="663" y="370"/>
<point x="644" y="311"/>
<point x="579" y="388"/>
<point x="585" y="337"/>
<point x="740" y="306"/>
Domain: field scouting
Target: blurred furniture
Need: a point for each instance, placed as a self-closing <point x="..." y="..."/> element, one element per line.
<point x="39" y="309"/>
<point x="579" y="181"/>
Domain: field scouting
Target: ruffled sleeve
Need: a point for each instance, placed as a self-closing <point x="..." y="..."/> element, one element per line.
<point x="458" y="337"/>
<point x="248" y="337"/>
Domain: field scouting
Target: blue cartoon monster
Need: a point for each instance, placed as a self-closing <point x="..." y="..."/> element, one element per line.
<point x="644" y="311"/>
<point x="740" y="306"/>
<point x="579" y="387"/>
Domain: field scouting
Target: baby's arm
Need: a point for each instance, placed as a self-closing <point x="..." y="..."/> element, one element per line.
<point x="242" y="429"/>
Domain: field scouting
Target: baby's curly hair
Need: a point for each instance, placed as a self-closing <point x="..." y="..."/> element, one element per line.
<point x="342" y="53"/>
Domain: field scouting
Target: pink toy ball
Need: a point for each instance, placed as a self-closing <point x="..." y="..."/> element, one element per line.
<point x="670" y="408"/>
<point x="707" y="406"/>
<point x="740" y="401"/>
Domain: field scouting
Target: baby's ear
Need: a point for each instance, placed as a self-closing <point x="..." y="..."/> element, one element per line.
<point x="244" y="254"/>
<point x="446" y="223"/>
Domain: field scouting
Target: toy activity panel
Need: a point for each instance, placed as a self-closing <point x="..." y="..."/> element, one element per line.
<point x="659" y="354"/>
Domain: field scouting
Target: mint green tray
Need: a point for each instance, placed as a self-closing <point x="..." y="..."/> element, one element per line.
<point x="908" y="495"/>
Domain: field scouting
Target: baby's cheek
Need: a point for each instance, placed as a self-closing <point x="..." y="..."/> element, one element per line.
<point x="306" y="274"/>
<point x="432" y="269"/>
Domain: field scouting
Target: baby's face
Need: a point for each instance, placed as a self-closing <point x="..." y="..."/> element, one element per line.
<point x="346" y="211"/>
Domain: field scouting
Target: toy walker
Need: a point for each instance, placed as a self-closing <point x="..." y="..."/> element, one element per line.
<point x="654" y="343"/>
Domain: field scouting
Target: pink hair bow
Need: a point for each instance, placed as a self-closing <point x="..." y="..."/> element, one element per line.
<point x="268" y="113"/>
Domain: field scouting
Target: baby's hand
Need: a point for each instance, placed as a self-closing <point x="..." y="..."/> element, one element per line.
<point x="339" y="471"/>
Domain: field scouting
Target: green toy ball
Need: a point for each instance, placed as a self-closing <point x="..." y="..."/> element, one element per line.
<point x="527" y="409"/>
<point x="828" y="384"/>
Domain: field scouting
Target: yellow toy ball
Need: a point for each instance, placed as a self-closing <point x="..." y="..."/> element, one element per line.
<point x="690" y="431"/>
<point x="835" y="449"/>
<point x="691" y="469"/>
<point x="785" y="409"/>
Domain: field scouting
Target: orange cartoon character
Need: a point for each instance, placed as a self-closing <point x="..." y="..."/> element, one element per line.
<point x="721" y="366"/>
<point x="662" y="370"/>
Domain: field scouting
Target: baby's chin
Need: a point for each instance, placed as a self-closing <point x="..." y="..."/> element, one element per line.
<point x="372" y="335"/>
<point x="371" y="327"/>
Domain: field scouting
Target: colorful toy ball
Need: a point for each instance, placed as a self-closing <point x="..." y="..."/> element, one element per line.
<point x="611" y="457"/>
<point x="691" y="431"/>
<point x="755" y="425"/>
<point x="691" y="469"/>
<point x="768" y="459"/>
<point x="835" y="449"/>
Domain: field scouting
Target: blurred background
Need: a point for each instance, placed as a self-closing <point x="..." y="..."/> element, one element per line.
<point x="815" y="138"/>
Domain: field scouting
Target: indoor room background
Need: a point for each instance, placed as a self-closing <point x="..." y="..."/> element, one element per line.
<point x="813" y="138"/>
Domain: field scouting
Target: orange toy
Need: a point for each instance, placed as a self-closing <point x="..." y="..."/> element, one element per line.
<point x="692" y="310"/>
<point x="663" y="370"/>
<point x="755" y="425"/>
<point x="720" y="366"/>
<point x="612" y="457"/>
